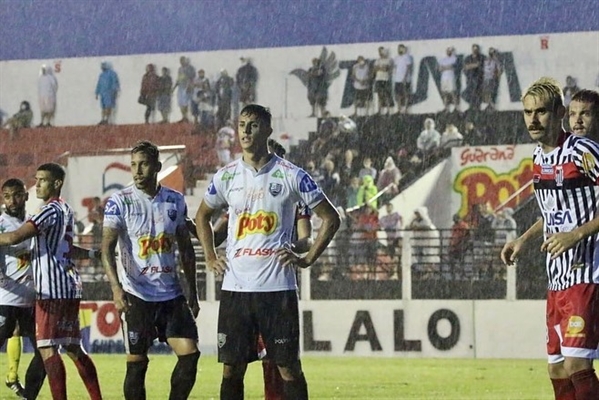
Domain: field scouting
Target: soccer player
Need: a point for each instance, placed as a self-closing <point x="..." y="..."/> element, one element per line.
<point x="17" y="295"/>
<point x="57" y="282"/>
<point x="565" y="176"/>
<point x="583" y="114"/>
<point x="259" y="290"/>
<point x="148" y="222"/>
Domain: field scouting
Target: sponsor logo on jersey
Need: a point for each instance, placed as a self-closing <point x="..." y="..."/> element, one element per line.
<point x="557" y="218"/>
<point x="255" y="194"/>
<point x="278" y="174"/>
<point x="536" y="178"/>
<point x="111" y="208"/>
<point x="249" y="252"/>
<point x="133" y="337"/>
<point x="559" y="175"/>
<point x="261" y="222"/>
<point x="575" y="327"/>
<point x="156" y="269"/>
<point x="172" y="214"/>
<point x="546" y="169"/>
<point x="275" y="189"/>
<point x="588" y="162"/>
<point x="211" y="188"/>
<point x="307" y="184"/>
<point x="222" y="339"/>
<point x="227" y="176"/>
<point x="150" y="245"/>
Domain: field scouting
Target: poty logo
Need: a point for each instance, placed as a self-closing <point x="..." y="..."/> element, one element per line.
<point x="111" y="208"/>
<point x="260" y="222"/>
<point x="557" y="218"/>
<point x="149" y="245"/>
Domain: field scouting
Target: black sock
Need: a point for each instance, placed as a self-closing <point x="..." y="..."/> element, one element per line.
<point x="35" y="375"/>
<point x="231" y="389"/>
<point x="296" y="389"/>
<point x="134" y="386"/>
<point x="184" y="376"/>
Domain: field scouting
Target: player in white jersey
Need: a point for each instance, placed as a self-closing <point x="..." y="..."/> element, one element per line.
<point x="17" y="293"/>
<point x="566" y="179"/>
<point x="148" y="222"/>
<point x="259" y="290"/>
<point x="57" y="282"/>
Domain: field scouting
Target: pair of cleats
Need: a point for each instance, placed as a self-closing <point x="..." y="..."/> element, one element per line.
<point x="17" y="388"/>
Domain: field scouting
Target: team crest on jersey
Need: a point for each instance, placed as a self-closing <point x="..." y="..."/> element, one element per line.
<point x="222" y="339"/>
<point x="133" y="337"/>
<point x="172" y="214"/>
<point x="307" y="184"/>
<point x="278" y="174"/>
<point x="588" y="162"/>
<point x="275" y="189"/>
<point x="549" y="202"/>
<point x="211" y="188"/>
<point x="111" y="208"/>
<point x="559" y="175"/>
<point x="536" y="178"/>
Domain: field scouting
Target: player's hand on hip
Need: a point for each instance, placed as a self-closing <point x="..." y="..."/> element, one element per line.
<point x="218" y="265"/>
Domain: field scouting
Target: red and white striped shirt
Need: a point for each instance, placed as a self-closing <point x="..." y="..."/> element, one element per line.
<point x="54" y="272"/>
<point x="566" y="187"/>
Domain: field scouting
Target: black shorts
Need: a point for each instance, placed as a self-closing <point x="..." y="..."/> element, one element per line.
<point x="244" y="315"/>
<point x="12" y="315"/>
<point x="402" y="89"/>
<point x="145" y="321"/>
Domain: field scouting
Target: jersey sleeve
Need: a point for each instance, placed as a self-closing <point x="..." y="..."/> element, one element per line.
<point x="113" y="213"/>
<point x="303" y="211"/>
<point x="586" y="158"/>
<point x="215" y="196"/>
<point x="308" y="191"/>
<point x="45" y="218"/>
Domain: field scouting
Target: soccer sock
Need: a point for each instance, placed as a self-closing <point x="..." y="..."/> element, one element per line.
<point x="586" y="384"/>
<point x="231" y="389"/>
<point x="134" y="386"/>
<point x="34" y="377"/>
<point x="89" y="376"/>
<point x="13" y="353"/>
<point x="563" y="389"/>
<point x="184" y="376"/>
<point x="296" y="389"/>
<point x="57" y="377"/>
<point x="273" y="383"/>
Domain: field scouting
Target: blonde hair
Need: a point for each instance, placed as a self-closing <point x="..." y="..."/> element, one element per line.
<point x="546" y="88"/>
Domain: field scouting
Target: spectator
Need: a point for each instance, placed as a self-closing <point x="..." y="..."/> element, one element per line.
<point x="184" y="85"/>
<point x="426" y="243"/>
<point x="389" y="176"/>
<point x="351" y="193"/>
<point x="330" y="181"/>
<point x="492" y="73"/>
<point x="367" y="168"/>
<point x="327" y="126"/>
<point x="150" y="87"/>
<point x="361" y="81"/>
<point x="570" y="89"/>
<point x="459" y="243"/>
<point x="383" y="68"/>
<point x="368" y="192"/>
<point x="22" y="119"/>
<point x="473" y="136"/>
<point x="107" y="89"/>
<point x="201" y="103"/>
<point x="428" y="141"/>
<point x="447" y="67"/>
<point x="505" y="227"/>
<point x="47" y="86"/>
<point x="165" y="90"/>
<point x="392" y="223"/>
<point x="224" y="96"/>
<point x="224" y="141"/>
<point x="402" y="75"/>
<point x="247" y="78"/>
<point x="314" y="172"/>
<point x="347" y="167"/>
<point x="318" y="90"/>
<point x="451" y="137"/>
<point x="474" y="71"/>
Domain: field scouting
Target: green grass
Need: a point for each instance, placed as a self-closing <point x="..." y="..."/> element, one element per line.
<point x="337" y="378"/>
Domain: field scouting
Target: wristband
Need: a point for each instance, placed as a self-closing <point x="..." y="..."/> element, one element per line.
<point x="91" y="254"/>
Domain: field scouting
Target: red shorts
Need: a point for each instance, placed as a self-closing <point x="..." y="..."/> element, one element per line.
<point x="573" y="322"/>
<point x="57" y="322"/>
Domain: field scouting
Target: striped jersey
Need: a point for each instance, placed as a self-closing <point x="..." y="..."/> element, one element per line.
<point x="54" y="272"/>
<point x="147" y="228"/>
<point x="16" y="277"/>
<point x="565" y="184"/>
<point x="262" y="212"/>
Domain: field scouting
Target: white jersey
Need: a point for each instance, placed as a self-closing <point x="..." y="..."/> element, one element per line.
<point x="147" y="228"/>
<point x="16" y="276"/>
<point x="262" y="211"/>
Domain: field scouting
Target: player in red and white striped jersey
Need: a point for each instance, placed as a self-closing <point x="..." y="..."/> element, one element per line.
<point x="57" y="283"/>
<point x="566" y="179"/>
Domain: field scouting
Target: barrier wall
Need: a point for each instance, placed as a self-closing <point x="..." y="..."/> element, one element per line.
<point x="386" y="328"/>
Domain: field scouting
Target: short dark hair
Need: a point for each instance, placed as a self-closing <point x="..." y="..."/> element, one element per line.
<point x="13" y="183"/>
<point x="277" y="148"/>
<point x="148" y="148"/>
<point x="259" y="111"/>
<point x="587" y="96"/>
<point x="56" y="170"/>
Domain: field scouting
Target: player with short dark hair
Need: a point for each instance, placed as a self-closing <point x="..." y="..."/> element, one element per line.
<point x="57" y="282"/>
<point x="148" y="222"/>
<point x="566" y="179"/>
<point x="259" y="291"/>
<point x="583" y="114"/>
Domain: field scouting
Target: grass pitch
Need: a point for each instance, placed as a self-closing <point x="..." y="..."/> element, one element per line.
<point x="335" y="378"/>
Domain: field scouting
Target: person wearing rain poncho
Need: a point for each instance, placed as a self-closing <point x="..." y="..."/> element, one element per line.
<point x="389" y="176"/>
<point x="425" y="243"/>
<point x="107" y="89"/>
<point x="367" y="192"/>
<point x="47" y="86"/>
